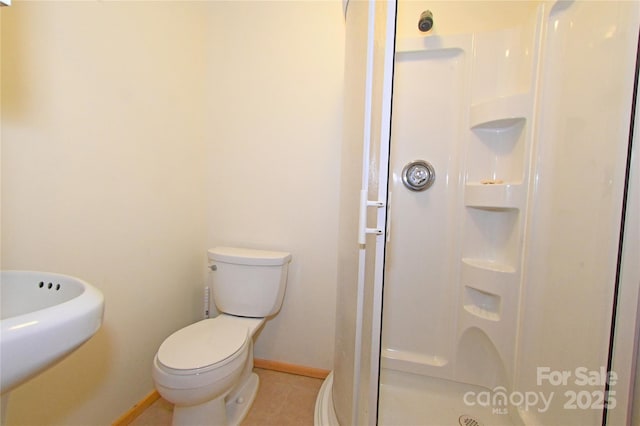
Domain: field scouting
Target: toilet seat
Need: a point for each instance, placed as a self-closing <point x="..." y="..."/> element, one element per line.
<point x="203" y="346"/>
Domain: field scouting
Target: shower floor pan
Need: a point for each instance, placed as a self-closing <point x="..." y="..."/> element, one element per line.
<point x="411" y="399"/>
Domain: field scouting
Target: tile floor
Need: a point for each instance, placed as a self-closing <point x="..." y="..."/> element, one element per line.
<point x="283" y="400"/>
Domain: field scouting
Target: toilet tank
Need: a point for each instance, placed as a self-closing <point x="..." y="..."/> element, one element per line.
<point x="247" y="282"/>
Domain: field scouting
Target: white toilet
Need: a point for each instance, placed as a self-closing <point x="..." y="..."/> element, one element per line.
<point x="206" y="368"/>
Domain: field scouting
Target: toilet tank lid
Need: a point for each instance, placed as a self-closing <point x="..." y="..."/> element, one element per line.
<point x="244" y="256"/>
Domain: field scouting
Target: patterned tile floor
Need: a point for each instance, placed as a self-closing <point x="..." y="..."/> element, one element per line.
<point x="283" y="400"/>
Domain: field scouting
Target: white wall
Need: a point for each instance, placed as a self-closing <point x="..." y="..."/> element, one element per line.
<point x="273" y="159"/>
<point x="102" y="172"/>
<point x="122" y="137"/>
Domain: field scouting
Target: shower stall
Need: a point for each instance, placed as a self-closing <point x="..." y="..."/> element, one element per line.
<point x="490" y="240"/>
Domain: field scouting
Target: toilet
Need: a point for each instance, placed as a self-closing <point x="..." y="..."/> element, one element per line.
<point x="206" y="368"/>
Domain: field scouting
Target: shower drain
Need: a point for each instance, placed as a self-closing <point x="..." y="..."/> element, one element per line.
<point x="465" y="420"/>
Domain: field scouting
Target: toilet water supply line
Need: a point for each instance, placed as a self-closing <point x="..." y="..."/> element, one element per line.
<point x="206" y="302"/>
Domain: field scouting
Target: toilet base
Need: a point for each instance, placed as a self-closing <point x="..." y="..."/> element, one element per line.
<point x="239" y="403"/>
<point x="222" y="411"/>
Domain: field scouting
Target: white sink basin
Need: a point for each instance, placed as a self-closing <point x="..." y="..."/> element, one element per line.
<point x="43" y="318"/>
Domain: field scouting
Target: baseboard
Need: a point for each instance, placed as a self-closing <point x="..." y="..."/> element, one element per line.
<point x="283" y="367"/>
<point x="137" y="409"/>
<point x="265" y="364"/>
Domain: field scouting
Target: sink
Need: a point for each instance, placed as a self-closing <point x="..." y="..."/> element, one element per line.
<point x="43" y="318"/>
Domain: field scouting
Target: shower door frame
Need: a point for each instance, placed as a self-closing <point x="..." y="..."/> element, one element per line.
<point x="369" y="59"/>
<point x="374" y="203"/>
<point x="625" y="335"/>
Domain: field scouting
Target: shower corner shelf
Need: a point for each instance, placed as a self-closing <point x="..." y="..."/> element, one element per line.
<point x="482" y="304"/>
<point x="479" y="312"/>
<point x="489" y="265"/>
<point x="493" y="196"/>
<point x="499" y="113"/>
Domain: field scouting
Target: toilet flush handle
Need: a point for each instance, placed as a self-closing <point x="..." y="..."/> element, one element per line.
<point x="213" y="267"/>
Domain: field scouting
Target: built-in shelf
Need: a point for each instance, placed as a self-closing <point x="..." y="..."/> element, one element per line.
<point x="499" y="113"/>
<point x="496" y="173"/>
<point x="493" y="196"/>
<point x="457" y="42"/>
<point x="413" y="362"/>
<point x="482" y="304"/>
<point x="497" y="153"/>
<point x="489" y="265"/>
<point x="492" y="238"/>
<point x="414" y="357"/>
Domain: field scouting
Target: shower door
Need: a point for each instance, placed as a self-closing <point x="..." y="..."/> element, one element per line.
<point x="370" y="29"/>
<point x="500" y="276"/>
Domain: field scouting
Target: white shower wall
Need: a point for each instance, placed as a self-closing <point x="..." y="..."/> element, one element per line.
<point x="583" y="131"/>
<point x="463" y="102"/>
<point x="508" y="263"/>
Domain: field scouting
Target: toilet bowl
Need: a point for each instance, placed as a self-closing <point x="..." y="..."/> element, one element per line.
<point x="205" y="369"/>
